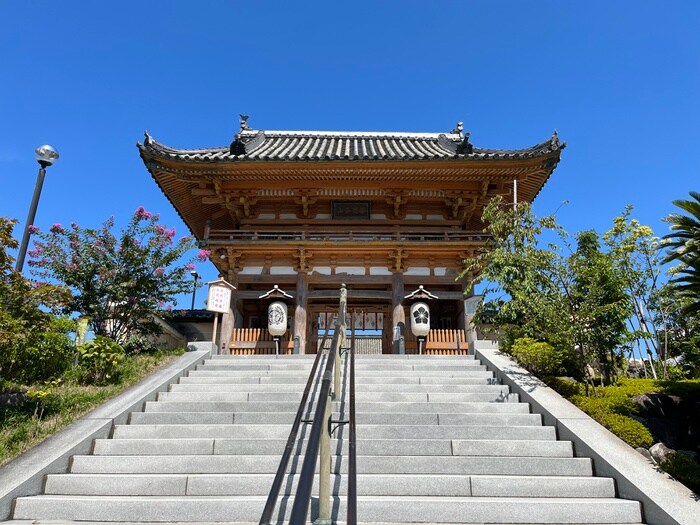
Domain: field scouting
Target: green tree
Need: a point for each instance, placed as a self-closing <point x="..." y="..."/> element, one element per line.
<point x="683" y="245"/>
<point x="635" y="251"/>
<point x="575" y="303"/>
<point x="599" y="303"/>
<point x="34" y="344"/>
<point x="526" y="280"/>
<point x="119" y="283"/>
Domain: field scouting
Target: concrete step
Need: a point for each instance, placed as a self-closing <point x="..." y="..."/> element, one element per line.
<point x="299" y="380"/>
<point x="367" y="447"/>
<point x="256" y="432"/>
<point x="257" y="464"/>
<point x="370" y="508"/>
<point x="366" y="388"/>
<point x="367" y="418"/>
<point x="494" y="407"/>
<point x="336" y="522"/>
<point x="359" y="357"/>
<point x="466" y="371"/>
<point x="367" y="485"/>
<point x="288" y="367"/>
<point x="359" y="366"/>
<point x="471" y="371"/>
<point x="360" y="397"/>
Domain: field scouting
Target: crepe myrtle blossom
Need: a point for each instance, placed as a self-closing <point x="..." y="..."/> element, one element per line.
<point x="142" y="214"/>
<point x="203" y="255"/>
<point x="32" y="229"/>
<point x="120" y="280"/>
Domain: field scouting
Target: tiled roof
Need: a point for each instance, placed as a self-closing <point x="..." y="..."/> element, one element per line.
<point x="254" y="145"/>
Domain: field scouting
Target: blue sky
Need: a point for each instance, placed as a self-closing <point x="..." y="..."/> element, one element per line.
<point x="619" y="80"/>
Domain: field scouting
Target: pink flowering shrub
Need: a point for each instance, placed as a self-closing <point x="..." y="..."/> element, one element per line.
<point x="118" y="281"/>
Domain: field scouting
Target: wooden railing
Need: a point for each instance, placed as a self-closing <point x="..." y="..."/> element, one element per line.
<point x="440" y="342"/>
<point x="257" y="341"/>
<point x="359" y="235"/>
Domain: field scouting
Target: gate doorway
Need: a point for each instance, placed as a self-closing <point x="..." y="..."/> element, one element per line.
<point x="370" y="324"/>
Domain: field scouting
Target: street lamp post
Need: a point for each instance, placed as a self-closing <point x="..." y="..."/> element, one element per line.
<point x="45" y="155"/>
<point x="196" y="276"/>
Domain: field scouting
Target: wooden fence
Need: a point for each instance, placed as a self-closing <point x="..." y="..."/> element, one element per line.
<point x="440" y="342"/>
<point x="257" y="341"/>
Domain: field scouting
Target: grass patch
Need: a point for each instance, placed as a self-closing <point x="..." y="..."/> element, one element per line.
<point x="55" y="405"/>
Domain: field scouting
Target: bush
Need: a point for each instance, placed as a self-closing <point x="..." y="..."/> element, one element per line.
<point x="685" y="469"/>
<point x="542" y="359"/>
<point x="631" y="431"/>
<point x="99" y="361"/>
<point x="42" y="354"/>
<point x="566" y="387"/>
<point x="613" y="413"/>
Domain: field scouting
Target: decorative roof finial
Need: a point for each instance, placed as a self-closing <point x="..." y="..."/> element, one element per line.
<point x="147" y="139"/>
<point x="244" y="122"/>
<point x="555" y="139"/>
<point x="465" y="147"/>
<point x="458" y="130"/>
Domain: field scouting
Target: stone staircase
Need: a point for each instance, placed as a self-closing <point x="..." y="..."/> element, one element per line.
<point x="437" y="442"/>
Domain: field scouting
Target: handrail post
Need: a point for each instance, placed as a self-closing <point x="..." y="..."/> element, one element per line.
<point x="341" y="325"/>
<point x="324" y="475"/>
<point x="320" y="430"/>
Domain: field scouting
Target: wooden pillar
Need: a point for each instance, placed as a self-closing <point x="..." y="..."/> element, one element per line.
<point x="398" y="315"/>
<point x="227" y="322"/>
<point x="300" y="310"/>
<point x="387" y="344"/>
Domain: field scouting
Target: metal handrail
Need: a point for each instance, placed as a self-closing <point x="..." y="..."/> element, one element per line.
<point x="273" y="495"/>
<point x="352" y="467"/>
<point x="321" y="422"/>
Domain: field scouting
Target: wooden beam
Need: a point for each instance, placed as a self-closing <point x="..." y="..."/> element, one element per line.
<point x="352" y="294"/>
<point x="203" y="192"/>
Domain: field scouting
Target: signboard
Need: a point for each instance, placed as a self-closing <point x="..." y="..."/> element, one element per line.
<point x="357" y="210"/>
<point x="219" y="299"/>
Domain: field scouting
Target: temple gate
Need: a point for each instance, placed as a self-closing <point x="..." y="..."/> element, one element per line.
<point x="290" y="215"/>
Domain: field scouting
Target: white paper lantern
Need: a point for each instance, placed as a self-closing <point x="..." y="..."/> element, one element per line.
<point x="277" y="318"/>
<point x="420" y="319"/>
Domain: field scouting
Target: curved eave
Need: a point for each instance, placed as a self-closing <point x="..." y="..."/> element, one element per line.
<point x="169" y="166"/>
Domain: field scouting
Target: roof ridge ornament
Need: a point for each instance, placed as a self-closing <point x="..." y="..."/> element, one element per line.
<point x="147" y="139"/>
<point x="554" y="141"/>
<point x="244" y="122"/>
<point x="465" y="147"/>
<point x="241" y="145"/>
<point x="458" y="129"/>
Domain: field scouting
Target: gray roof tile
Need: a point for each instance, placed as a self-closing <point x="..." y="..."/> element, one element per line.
<point x="254" y="145"/>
